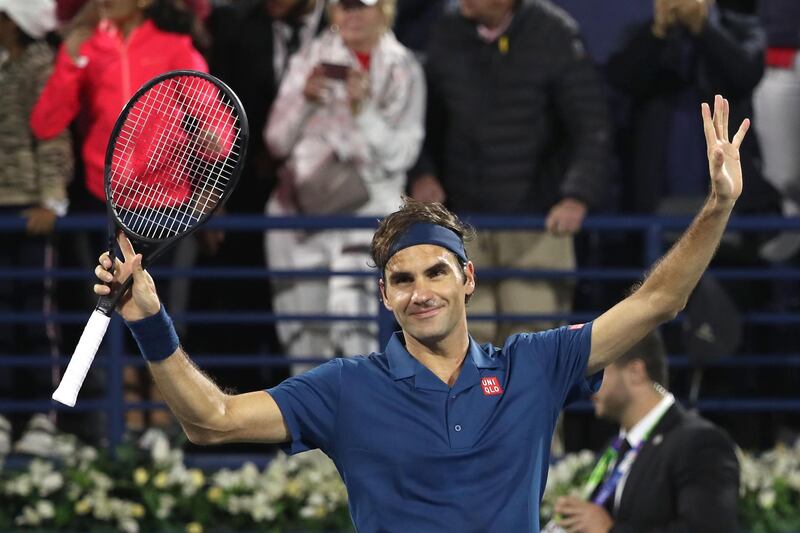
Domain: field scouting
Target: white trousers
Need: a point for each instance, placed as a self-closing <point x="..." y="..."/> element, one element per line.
<point x="777" y="122"/>
<point x="346" y="250"/>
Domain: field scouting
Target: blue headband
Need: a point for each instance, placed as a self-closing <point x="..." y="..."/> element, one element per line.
<point x="426" y="233"/>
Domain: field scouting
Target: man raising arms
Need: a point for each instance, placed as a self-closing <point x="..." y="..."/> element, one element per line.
<point x="437" y="433"/>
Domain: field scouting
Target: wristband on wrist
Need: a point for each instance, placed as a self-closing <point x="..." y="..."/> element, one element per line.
<point x="155" y="336"/>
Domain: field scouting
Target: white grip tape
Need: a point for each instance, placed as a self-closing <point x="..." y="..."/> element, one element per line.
<point x="72" y="380"/>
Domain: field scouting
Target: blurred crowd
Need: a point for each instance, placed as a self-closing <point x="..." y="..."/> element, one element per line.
<point x="556" y="108"/>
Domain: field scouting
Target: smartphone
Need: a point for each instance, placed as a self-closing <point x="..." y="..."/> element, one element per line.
<point x="335" y="71"/>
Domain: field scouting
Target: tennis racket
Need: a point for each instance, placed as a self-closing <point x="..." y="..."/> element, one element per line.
<point x="174" y="156"/>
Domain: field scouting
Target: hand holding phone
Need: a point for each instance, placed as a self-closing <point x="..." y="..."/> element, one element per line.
<point x="335" y="71"/>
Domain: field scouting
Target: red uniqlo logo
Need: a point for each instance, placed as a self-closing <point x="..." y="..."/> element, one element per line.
<point x="490" y="386"/>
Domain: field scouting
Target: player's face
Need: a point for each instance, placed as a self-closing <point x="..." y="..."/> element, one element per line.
<point x="613" y="396"/>
<point x="425" y="287"/>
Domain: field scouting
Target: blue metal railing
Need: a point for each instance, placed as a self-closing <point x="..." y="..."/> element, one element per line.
<point x="114" y="359"/>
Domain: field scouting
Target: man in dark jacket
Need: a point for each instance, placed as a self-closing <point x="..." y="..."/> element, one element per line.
<point x="689" y="51"/>
<point x="253" y="41"/>
<point x="517" y="124"/>
<point x="668" y="470"/>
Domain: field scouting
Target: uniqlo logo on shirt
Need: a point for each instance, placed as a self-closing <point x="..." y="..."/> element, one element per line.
<point x="491" y="386"/>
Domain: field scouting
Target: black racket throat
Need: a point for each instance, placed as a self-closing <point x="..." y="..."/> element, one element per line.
<point x="106" y="304"/>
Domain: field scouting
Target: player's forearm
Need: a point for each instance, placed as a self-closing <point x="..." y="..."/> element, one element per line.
<point x="670" y="283"/>
<point x="197" y="402"/>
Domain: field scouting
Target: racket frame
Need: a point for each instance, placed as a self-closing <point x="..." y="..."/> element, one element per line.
<point x="75" y="373"/>
<point x="156" y="247"/>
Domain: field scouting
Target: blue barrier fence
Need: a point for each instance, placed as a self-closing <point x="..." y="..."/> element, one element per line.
<point x="113" y="357"/>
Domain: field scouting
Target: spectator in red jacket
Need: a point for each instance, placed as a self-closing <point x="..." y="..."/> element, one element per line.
<point x="110" y="49"/>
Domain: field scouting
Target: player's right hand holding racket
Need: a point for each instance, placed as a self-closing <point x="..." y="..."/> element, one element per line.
<point x="141" y="301"/>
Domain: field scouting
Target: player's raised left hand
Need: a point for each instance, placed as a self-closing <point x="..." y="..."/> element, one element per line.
<point x="724" y="162"/>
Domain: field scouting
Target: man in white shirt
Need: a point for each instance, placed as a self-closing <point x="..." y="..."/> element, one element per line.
<point x="668" y="470"/>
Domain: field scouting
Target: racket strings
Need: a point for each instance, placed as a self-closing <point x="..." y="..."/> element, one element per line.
<point x="162" y="145"/>
<point x="162" y="194"/>
<point x="174" y="156"/>
<point x="157" y="191"/>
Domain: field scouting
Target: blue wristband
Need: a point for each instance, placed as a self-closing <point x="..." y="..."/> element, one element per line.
<point x="155" y="336"/>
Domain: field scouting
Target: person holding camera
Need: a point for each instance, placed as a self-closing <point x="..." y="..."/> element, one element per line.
<point x="347" y="124"/>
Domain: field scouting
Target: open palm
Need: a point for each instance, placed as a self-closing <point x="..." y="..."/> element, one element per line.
<point x="724" y="162"/>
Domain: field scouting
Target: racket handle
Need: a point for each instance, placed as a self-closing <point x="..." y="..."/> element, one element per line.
<point x="72" y="380"/>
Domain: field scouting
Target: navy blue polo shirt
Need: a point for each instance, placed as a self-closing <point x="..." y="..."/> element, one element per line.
<point x="418" y="455"/>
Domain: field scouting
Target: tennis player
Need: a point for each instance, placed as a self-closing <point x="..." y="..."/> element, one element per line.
<point x="437" y="433"/>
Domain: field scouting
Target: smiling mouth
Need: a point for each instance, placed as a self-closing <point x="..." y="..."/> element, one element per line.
<point x="427" y="313"/>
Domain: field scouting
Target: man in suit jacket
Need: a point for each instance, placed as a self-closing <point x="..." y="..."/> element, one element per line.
<point x="253" y="41"/>
<point x="685" y="476"/>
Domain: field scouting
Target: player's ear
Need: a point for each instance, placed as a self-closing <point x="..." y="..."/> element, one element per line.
<point x="384" y="299"/>
<point x="469" y="278"/>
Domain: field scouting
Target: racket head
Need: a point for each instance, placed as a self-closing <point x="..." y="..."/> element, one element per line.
<point x="175" y="155"/>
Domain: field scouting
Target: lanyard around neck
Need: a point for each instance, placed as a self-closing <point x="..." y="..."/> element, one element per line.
<point x="608" y="458"/>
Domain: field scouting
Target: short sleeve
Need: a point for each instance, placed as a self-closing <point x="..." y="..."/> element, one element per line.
<point x="309" y="404"/>
<point x="563" y="354"/>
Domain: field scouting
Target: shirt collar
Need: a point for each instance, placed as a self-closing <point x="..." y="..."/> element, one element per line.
<point x="490" y="35"/>
<point x="638" y="431"/>
<point x="403" y="365"/>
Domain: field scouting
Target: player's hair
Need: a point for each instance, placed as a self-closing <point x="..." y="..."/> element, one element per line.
<point x="651" y="351"/>
<point x="411" y="212"/>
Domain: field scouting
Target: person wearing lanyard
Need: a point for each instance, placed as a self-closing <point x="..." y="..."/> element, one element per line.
<point x="667" y="470"/>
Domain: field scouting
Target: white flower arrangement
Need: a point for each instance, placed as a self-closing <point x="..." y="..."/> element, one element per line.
<point x="769" y="489"/>
<point x="566" y="477"/>
<point x="147" y="486"/>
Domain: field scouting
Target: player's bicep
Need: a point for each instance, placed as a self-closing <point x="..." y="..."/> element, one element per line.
<point x="618" y="329"/>
<point x="255" y="417"/>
